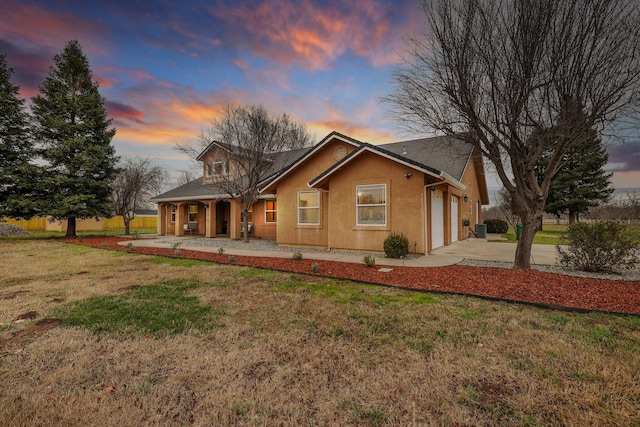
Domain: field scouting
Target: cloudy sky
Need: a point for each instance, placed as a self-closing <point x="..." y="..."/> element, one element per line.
<point x="167" y="68"/>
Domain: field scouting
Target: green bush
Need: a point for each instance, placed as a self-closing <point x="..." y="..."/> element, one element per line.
<point x="496" y="226"/>
<point x="297" y="256"/>
<point x="603" y="247"/>
<point x="396" y="245"/>
<point x="369" y="261"/>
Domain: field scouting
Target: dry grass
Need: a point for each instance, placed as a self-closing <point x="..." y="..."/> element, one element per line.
<point x="297" y="350"/>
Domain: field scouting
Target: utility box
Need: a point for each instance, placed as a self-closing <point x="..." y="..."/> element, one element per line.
<point x="481" y="231"/>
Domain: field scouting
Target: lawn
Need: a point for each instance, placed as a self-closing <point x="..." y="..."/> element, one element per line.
<point x="109" y="232"/>
<point x="552" y="234"/>
<point x="144" y="340"/>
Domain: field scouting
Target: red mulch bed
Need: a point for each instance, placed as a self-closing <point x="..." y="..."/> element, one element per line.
<point x="527" y="286"/>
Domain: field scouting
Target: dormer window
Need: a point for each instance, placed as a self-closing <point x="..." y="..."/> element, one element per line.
<point x="218" y="167"/>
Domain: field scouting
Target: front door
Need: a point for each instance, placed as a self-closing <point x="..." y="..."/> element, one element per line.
<point x="223" y="215"/>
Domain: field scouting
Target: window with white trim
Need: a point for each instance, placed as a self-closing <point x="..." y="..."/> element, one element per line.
<point x="270" y="211"/>
<point x="309" y="207"/>
<point x="219" y="167"/>
<point x="193" y="213"/>
<point x="371" y="204"/>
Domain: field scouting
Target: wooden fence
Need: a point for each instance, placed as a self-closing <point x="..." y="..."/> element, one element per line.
<point x="115" y="223"/>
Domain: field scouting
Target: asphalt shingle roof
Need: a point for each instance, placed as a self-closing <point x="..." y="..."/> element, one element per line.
<point x="441" y="153"/>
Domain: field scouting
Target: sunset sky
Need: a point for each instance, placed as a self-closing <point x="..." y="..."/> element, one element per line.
<point x="167" y="68"/>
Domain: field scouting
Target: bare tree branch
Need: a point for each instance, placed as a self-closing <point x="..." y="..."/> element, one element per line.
<point x="254" y="145"/>
<point x="136" y="182"/>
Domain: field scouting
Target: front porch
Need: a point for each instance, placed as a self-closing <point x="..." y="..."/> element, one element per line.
<point x="204" y="218"/>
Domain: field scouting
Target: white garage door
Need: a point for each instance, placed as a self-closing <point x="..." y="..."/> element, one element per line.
<point x="454" y="219"/>
<point x="437" y="219"/>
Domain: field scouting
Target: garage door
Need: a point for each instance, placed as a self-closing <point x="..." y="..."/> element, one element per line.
<point x="437" y="219"/>
<point x="454" y="219"/>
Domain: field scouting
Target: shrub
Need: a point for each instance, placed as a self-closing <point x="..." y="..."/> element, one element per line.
<point x="297" y="256"/>
<point x="315" y="267"/>
<point x="369" y="261"/>
<point x="498" y="226"/>
<point x="232" y="258"/>
<point x="599" y="247"/>
<point x="396" y="245"/>
<point x="221" y="250"/>
<point x="176" y="248"/>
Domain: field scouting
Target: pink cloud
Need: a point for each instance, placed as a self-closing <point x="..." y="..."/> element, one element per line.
<point x="314" y="36"/>
<point x="243" y="65"/>
<point x="32" y="26"/>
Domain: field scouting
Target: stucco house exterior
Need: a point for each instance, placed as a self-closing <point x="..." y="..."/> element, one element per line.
<point x="342" y="194"/>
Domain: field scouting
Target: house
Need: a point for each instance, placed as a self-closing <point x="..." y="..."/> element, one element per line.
<point x="342" y="194"/>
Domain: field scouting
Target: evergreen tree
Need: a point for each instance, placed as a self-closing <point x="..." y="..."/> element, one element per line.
<point x="72" y="126"/>
<point x="582" y="182"/>
<point x="17" y="175"/>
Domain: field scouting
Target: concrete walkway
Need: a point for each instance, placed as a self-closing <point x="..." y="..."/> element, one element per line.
<point x="473" y="248"/>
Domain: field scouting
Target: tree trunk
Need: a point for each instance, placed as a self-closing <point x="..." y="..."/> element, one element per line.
<point x="127" y="225"/>
<point x="523" y="249"/>
<point x="245" y="223"/>
<point x="71" y="227"/>
<point x="572" y="217"/>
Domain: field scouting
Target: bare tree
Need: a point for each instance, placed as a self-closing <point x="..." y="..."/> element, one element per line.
<point x="504" y="203"/>
<point x="254" y="145"/>
<point x="519" y="79"/>
<point x="137" y="180"/>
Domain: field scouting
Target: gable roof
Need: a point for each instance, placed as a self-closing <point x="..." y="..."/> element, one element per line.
<point x="365" y="147"/>
<point x="309" y="152"/>
<point x="444" y="157"/>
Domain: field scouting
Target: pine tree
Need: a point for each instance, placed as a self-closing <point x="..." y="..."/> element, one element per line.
<point x="17" y="175"/>
<point x="582" y="182"/>
<point x="72" y="126"/>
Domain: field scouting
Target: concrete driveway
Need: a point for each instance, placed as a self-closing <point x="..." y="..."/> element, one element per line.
<point x="484" y="249"/>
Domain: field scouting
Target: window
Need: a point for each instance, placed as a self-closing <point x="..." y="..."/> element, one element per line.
<point x="308" y="207"/>
<point x="371" y="204"/>
<point x="193" y="213"/>
<point x="270" y="211"/>
<point x="173" y="213"/>
<point x="219" y="167"/>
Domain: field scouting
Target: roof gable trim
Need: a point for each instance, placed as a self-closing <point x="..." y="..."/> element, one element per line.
<point x="311" y="152"/>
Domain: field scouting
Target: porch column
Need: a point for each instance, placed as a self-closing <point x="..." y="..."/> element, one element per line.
<point x="210" y="220"/>
<point x="235" y="220"/>
<point x="179" y="231"/>
<point x="162" y="218"/>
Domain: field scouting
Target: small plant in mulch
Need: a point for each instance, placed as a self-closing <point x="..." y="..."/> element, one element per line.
<point x="131" y="247"/>
<point x="369" y="261"/>
<point x="232" y="258"/>
<point x="135" y="235"/>
<point x="176" y="248"/>
<point x="315" y="267"/>
<point x="80" y="239"/>
<point x="104" y="245"/>
<point x="297" y="256"/>
<point x="396" y="245"/>
<point x="221" y="250"/>
<point x="601" y="247"/>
